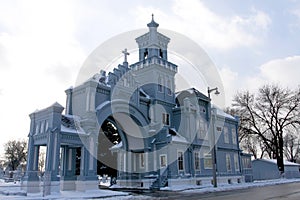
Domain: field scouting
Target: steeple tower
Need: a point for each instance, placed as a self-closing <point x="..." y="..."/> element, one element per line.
<point x="153" y="69"/>
<point x="153" y="43"/>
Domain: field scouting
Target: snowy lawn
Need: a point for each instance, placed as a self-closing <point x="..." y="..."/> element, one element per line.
<point x="13" y="191"/>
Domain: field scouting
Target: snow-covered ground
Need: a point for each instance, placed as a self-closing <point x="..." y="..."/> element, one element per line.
<point x="227" y="187"/>
<point x="13" y="191"/>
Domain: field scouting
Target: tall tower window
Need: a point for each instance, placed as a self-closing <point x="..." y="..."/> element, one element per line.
<point x="146" y="54"/>
<point x="160" y="53"/>
<point x="169" y="87"/>
<point x="160" y="87"/>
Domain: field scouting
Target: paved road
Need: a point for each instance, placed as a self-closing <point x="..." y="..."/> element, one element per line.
<point x="282" y="191"/>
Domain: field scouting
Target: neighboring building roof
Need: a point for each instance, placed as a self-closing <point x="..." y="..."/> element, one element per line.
<point x="70" y="124"/>
<point x="221" y="113"/>
<point x="274" y="161"/>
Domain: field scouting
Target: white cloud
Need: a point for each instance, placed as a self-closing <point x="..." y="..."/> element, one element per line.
<point x="196" y="20"/>
<point x="41" y="58"/>
<point x="284" y="72"/>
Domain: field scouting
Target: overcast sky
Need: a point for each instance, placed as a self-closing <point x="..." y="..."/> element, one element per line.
<point x="43" y="44"/>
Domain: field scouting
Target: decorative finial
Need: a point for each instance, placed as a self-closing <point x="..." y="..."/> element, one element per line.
<point x="125" y="52"/>
<point x="153" y="23"/>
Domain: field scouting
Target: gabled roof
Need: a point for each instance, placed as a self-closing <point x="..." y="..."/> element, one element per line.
<point x="191" y="92"/>
<point x="198" y="93"/>
<point x="221" y="113"/>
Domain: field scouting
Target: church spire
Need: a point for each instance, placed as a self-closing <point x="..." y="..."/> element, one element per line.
<point x="153" y="23"/>
<point x="153" y="43"/>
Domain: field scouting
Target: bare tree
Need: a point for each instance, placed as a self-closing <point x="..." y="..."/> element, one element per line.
<point x="15" y="153"/>
<point x="42" y="156"/>
<point x="291" y="145"/>
<point x="267" y="115"/>
<point x="250" y="143"/>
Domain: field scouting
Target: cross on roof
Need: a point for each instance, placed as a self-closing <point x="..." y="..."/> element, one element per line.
<point x="125" y="52"/>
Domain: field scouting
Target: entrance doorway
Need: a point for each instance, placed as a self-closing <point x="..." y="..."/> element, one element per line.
<point x="106" y="160"/>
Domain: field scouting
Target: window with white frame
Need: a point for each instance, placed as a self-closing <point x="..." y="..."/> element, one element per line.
<point x="236" y="162"/>
<point x="207" y="161"/>
<point x="163" y="160"/>
<point x="166" y="119"/>
<point x="228" y="162"/>
<point x="180" y="160"/>
<point x="197" y="160"/>
<point x="226" y="134"/>
<point x="246" y="162"/>
<point x="233" y="131"/>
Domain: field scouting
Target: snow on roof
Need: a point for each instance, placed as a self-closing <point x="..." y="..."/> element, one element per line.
<point x="178" y="137"/>
<point x="65" y="129"/>
<point x="75" y="117"/>
<point x="221" y="113"/>
<point x="56" y="104"/>
<point x="285" y="162"/>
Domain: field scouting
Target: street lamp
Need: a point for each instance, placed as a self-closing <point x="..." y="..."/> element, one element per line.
<point x="211" y="90"/>
<point x="214" y="156"/>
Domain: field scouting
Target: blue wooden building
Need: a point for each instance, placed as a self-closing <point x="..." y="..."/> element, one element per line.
<point x="131" y="125"/>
